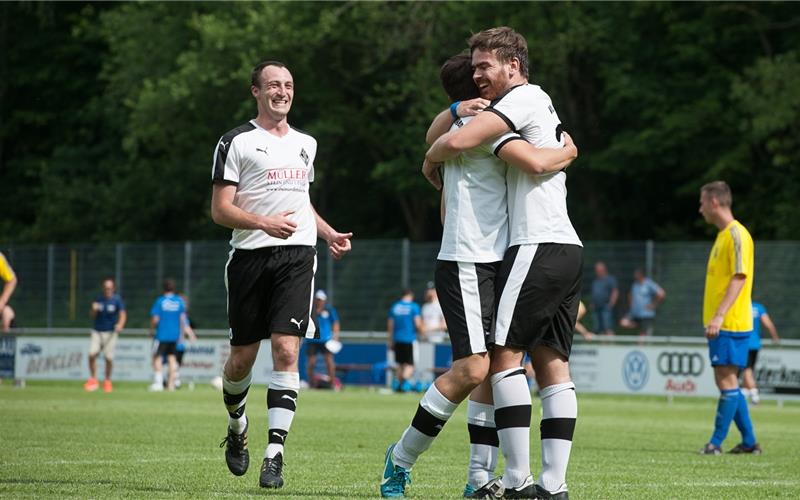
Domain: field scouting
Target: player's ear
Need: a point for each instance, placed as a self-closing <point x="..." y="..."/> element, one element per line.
<point x="254" y="91"/>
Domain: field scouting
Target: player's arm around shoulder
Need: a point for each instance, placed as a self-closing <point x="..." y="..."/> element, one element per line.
<point x="480" y="129"/>
<point x="523" y="155"/>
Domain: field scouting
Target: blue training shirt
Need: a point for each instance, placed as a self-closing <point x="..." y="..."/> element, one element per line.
<point x="403" y="313"/>
<point x="108" y="315"/>
<point x="755" y="336"/>
<point x="324" y="321"/>
<point x="169" y="308"/>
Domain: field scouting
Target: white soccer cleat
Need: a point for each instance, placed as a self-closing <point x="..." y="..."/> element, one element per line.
<point x="155" y="387"/>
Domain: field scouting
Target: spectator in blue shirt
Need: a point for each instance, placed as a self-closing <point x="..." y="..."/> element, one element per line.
<point x="644" y="298"/>
<point x="403" y="324"/>
<point x="604" y="298"/>
<point x="326" y="319"/>
<point x="109" y="316"/>
<point x="167" y="322"/>
<point x="760" y="317"/>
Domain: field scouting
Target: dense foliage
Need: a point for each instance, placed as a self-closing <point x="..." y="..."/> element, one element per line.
<point x="109" y="112"/>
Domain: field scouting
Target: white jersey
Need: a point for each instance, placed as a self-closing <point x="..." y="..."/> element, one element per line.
<point x="476" y="215"/>
<point x="272" y="174"/>
<point x="537" y="204"/>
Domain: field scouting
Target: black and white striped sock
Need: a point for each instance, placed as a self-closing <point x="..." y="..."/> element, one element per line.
<point x="483" y="443"/>
<point x="432" y="413"/>
<point x="559" y="414"/>
<point x="512" y="415"/>
<point x="234" y="394"/>
<point x="281" y="406"/>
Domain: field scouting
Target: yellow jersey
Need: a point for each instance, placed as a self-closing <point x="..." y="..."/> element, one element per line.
<point x="6" y="273"/>
<point x="731" y="254"/>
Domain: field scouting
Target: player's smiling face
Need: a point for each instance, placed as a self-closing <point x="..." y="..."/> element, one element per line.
<point x="276" y="92"/>
<point x="492" y="76"/>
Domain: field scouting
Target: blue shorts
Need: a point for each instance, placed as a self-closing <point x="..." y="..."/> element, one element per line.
<point x="727" y="349"/>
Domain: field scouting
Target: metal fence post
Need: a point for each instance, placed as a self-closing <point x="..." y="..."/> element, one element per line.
<point x="51" y="264"/>
<point x="405" y="260"/>
<point x="648" y="258"/>
<point x="159" y="265"/>
<point x="118" y="268"/>
<point x="187" y="269"/>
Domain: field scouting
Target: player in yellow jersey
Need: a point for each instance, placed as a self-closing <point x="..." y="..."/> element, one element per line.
<point x="9" y="284"/>
<point x="727" y="315"/>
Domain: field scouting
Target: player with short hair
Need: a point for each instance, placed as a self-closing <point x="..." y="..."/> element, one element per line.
<point x="167" y="323"/>
<point x="403" y="324"/>
<point x="475" y="236"/>
<point x="261" y="177"/>
<point x="326" y="319"/>
<point x="109" y="315"/>
<point x="728" y="315"/>
<point x="760" y="318"/>
<point x="539" y="279"/>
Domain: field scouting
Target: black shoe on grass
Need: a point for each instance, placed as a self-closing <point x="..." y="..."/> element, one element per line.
<point x="236" y="455"/>
<point x="272" y="472"/>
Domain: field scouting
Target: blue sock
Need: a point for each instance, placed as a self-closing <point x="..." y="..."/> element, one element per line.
<point x="726" y="409"/>
<point x="743" y="422"/>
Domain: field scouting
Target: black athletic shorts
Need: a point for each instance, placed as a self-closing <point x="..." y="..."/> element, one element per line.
<point x="161" y="349"/>
<point x="403" y="353"/>
<point x="466" y="293"/>
<point x="269" y="291"/>
<point x="752" y="357"/>
<point x="179" y="357"/>
<point x="538" y="292"/>
<point x="314" y="348"/>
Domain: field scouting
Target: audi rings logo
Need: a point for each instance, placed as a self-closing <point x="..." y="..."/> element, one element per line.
<point x="635" y="370"/>
<point x="684" y="364"/>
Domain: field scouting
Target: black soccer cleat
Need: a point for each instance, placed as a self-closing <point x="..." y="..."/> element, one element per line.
<point x="272" y="472"/>
<point x="492" y="489"/>
<point x="527" y="490"/>
<point x="544" y="494"/>
<point x="710" y="449"/>
<point x="740" y="448"/>
<point x="236" y="455"/>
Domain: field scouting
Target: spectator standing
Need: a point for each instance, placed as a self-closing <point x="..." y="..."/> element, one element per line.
<point x="403" y="325"/>
<point x="604" y="297"/>
<point x="167" y="321"/>
<point x="9" y="285"/>
<point x="326" y="318"/>
<point x="644" y="298"/>
<point x="760" y="318"/>
<point x="108" y="313"/>
<point x="433" y="323"/>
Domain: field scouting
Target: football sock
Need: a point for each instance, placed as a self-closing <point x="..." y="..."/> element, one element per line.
<point x="432" y="413"/>
<point x="512" y="415"/>
<point x="281" y="405"/>
<point x="483" y="443"/>
<point x="559" y="413"/>
<point x="158" y="378"/>
<point x="235" y="396"/>
<point x="726" y="408"/>
<point x="743" y="422"/>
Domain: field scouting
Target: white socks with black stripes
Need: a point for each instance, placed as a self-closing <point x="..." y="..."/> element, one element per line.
<point x="512" y="415"/>
<point x="559" y="414"/>
<point x="281" y="405"/>
<point x="483" y="443"/>
<point x="234" y="393"/>
<point x="432" y="413"/>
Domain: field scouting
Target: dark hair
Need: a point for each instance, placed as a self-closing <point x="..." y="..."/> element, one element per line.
<point x="255" y="76"/>
<point x="456" y="78"/>
<point x="506" y="43"/>
<point x="407" y="291"/>
<point x="169" y="285"/>
<point x="719" y="190"/>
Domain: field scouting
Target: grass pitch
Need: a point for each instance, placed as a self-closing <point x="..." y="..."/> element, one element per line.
<point x="58" y="441"/>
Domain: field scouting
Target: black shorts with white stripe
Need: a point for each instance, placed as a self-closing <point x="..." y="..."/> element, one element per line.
<point x="270" y="291"/>
<point x="466" y="293"/>
<point x="539" y="287"/>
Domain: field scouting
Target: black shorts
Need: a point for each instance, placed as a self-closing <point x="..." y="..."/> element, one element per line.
<point x="752" y="357"/>
<point x="179" y="357"/>
<point x="314" y="348"/>
<point x="466" y="293"/>
<point x="270" y="291"/>
<point x="539" y="288"/>
<point x="161" y="349"/>
<point x="403" y="353"/>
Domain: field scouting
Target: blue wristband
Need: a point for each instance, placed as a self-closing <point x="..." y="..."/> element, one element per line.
<point x="453" y="110"/>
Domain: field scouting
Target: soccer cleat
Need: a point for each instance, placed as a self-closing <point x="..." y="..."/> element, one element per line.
<point x="154" y="387"/>
<point x="527" y="490"/>
<point x="492" y="489"/>
<point x="236" y="455"/>
<point x="710" y="449"/>
<point x="395" y="478"/>
<point x="740" y="448"/>
<point x="272" y="472"/>
<point x="468" y="490"/>
<point x="544" y="494"/>
<point x="755" y="398"/>
<point x="107" y="387"/>
<point x="91" y="385"/>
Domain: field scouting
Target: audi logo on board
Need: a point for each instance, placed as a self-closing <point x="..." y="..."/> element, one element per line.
<point x="685" y="364"/>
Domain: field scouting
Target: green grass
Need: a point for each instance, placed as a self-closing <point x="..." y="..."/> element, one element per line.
<point x="58" y="441"/>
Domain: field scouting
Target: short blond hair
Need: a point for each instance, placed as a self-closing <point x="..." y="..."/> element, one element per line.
<point x="719" y="190"/>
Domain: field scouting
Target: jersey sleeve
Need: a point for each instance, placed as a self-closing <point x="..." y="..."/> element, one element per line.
<point x="513" y="108"/>
<point x="740" y="252"/>
<point x="227" y="159"/>
<point x="417" y="310"/>
<point x="334" y="315"/>
<point x="120" y="304"/>
<point x="6" y="273"/>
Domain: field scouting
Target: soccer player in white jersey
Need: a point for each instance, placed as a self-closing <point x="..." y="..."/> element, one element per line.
<point x="474" y="239"/>
<point x="261" y="177"/>
<point x="539" y="280"/>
